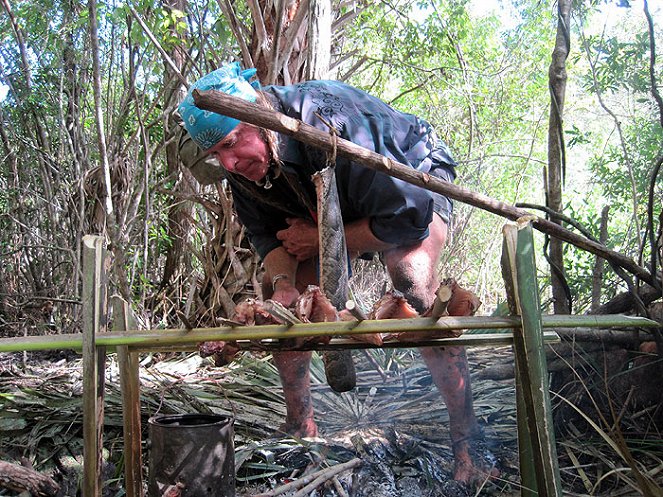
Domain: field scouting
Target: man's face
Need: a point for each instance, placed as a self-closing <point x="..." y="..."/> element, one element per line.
<point x="243" y="152"/>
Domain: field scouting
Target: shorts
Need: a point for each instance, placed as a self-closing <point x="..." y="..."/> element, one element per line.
<point x="442" y="206"/>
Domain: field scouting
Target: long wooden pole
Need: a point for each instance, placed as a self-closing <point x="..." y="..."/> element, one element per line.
<point x="128" y="365"/>
<point x="175" y="337"/>
<point x="94" y="361"/>
<point x="536" y="436"/>
<point x="237" y="108"/>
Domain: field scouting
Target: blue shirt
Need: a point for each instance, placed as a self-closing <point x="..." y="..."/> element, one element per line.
<point x="399" y="212"/>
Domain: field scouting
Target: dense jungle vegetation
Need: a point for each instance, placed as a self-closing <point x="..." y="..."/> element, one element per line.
<point x="552" y="106"/>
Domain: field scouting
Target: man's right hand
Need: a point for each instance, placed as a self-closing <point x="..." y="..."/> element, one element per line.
<point x="285" y="293"/>
<point x="300" y="238"/>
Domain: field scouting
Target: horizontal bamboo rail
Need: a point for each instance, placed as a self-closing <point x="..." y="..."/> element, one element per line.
<point x="147" y="339"/>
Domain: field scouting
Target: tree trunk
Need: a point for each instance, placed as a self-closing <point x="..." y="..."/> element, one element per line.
<point x="278" y="40"/>
<point x="319" y="39"/>
<point x="179" y="214"/>
<point x="555" y="172"/>
<point x="599" y="264"/>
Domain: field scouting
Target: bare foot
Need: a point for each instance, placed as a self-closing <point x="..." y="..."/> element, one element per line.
<point x="303" y="429"/>
<point x="474" y="463"/>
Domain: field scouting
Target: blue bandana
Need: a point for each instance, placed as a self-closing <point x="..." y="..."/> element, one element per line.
<point x="208" y="128"/>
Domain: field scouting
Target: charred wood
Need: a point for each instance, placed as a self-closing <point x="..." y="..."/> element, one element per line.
<point x="309" y="482"/>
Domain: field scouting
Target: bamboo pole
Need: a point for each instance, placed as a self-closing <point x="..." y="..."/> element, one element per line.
<point x="527" y="465"/>
<point x="499" y="328"/>
<point x="94" y="361"/>
<point x="536" y="437"/>
<point x="258" y="115"/>
<point x="130" y="388"/>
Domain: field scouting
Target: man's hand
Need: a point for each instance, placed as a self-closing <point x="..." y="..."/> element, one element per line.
<point x="285" y="294"/>
<point x="300" y="239"/>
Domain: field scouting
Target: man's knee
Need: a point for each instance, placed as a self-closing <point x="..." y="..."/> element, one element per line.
<point x="413" y="269"/>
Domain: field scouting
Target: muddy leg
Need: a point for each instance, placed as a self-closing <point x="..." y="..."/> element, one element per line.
<point x="413" y="272"/>
<point x="293" y="369"/>
<point x="448" y="367"/>
<point x="294" y="372"/>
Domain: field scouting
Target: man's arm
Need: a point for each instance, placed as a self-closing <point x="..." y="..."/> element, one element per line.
<point x="359" y="238"/>
<point x="281" y="268"/>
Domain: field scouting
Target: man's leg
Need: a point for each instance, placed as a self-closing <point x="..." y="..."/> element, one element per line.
<point x="413" y="271"/>
<point x="296" y="380"/>
<point x="294" y="371"/>
<point x="449" y="369"/>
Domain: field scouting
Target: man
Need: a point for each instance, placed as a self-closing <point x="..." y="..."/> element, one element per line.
<point x="270" y="177"/>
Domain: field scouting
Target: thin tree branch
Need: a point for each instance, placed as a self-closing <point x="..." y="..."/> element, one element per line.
<point x="347" y="18"/>
<point x="556" y="170"/>
<point x="111" y="223"/>
<point x="657" y="166"/>
<point x="275" y="66"/>
<point x="410" y="90"/>
<point x="228" y="11"/>
<point x="259" y="25"/>
<point x="355" y="67"/>
<point x="99" y="117"/>
<point x="599" y="264"/>
<point x="158" y="46"/>
<point x="622" y="141"/>
<point x="616" y="268"/>
<point x="559" y="216"/>
<point x="291" y="33"/>
<point x="655" y="260"/>
<point x="652" y="62"/>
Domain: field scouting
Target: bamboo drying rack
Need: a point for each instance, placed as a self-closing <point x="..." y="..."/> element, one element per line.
<point x="526" y="329"/>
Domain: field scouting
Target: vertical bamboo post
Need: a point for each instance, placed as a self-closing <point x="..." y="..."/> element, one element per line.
<point x="123" y="320"/>
<point x="94" y="360"/>
<point x="525" y="455"/>
<point x="536" y="438"/>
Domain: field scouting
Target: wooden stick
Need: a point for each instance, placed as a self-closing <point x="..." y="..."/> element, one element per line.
<point x="94" y="358"/>
<point x="375" y="365"/>
<point x="22" y="479"/>
<point x="279" y="311"/>
<point x="258" y="115"/>
<point x="536" y="439"/>
<point x="339" y="488"/>
<point x="352" y="307"/>
<point x="161" y="339"/>
<point x="308" y="480"/>
<point x="442" y="297"/>
<point x="130" y="387"/>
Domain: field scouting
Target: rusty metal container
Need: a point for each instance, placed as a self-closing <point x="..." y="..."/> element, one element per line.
<point x="194" y="452"/>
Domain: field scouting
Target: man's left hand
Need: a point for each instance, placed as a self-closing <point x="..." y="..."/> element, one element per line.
<point x="300" y="239"/>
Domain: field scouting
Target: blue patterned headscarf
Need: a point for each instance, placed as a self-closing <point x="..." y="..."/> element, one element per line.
<point x="208" y="128"/>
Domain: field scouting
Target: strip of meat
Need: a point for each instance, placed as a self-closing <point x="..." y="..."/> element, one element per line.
<point x="450" y="300"/>
<point x="251" y="312"/>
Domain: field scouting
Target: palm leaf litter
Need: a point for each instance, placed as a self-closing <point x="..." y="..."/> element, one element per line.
<point x="394" y="422"/>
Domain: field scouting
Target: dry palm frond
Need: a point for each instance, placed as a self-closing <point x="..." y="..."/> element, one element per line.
<point x="399" y="411"/>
